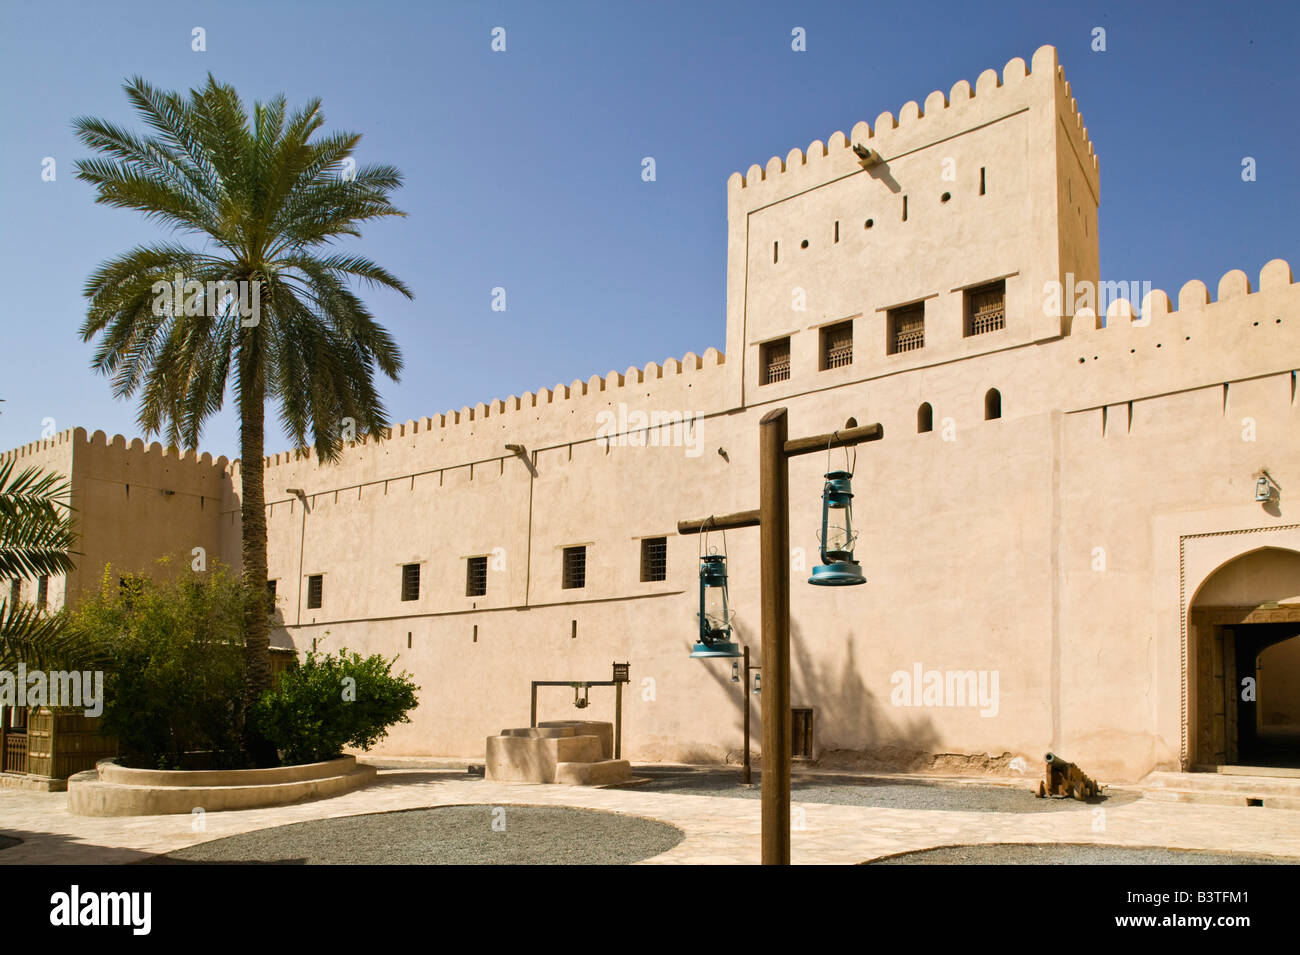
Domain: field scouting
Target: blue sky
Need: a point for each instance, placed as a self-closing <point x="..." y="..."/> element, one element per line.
<point x="523" y="168"/>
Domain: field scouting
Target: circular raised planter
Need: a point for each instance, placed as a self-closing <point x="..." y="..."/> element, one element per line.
<point x="114" y="790"/>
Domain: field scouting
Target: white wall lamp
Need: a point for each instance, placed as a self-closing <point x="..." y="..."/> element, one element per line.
<point x="1266" y="489"/>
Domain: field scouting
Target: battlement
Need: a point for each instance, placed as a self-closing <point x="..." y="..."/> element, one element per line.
<point x="941" y="116"/>
<point x="44" y="444"/>
<point x="1192" y="297"/>
<point x="77" y="437"/>
<point x="655" y="376"/>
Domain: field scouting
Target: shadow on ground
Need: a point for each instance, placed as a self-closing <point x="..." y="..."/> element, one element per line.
<point x="876" y="792"/>
<point x="447" y="835"/>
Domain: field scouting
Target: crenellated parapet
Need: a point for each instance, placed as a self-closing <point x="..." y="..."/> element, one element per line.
<point x="120" y="450"/>
<point x="1193" y="298"/>
<point x="61" y="439"/>
<point x="941" y="115"/>
<point x="635" y="385"/>
<point x="1197" y="341"/>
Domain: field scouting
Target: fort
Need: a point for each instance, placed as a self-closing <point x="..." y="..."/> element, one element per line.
<point x="1087" y="527"/>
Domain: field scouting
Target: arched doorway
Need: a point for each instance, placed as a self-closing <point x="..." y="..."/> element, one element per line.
<point x="1245" y="621"/>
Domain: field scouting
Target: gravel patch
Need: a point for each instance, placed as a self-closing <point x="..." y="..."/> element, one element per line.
<point x="447" y="835"/>
<point x="1010" y="853"/>
<point x="872" y="792"/>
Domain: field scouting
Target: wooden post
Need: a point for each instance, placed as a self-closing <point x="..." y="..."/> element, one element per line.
<point x="774" y="576"/>
<point x="773" y="520"/>
<point x="618" y="720"/>
<point x="744" y="697"/>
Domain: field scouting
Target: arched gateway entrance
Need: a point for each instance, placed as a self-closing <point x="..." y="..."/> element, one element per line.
<point x="1245" y="624"/>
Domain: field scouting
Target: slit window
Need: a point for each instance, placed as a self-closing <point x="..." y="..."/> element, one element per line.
<point x="42" y="591"/>
<point x="986" y="308"/>
<point x="15" y="592"/>
<point x="906" y="328"/>
<point x="774" y="361"/>
<point x="476" y="577"/>
<point x="315" y="591"/>
<point x="575" y="568"/>
<point x="837" y="345"/>
<point x="654" y="559"/>
<point x="410" y="581"/>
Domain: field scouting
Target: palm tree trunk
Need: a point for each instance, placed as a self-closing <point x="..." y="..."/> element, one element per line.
<point x="252" y="414"/>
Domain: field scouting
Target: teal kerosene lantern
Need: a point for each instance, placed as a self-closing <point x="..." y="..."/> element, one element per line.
<point x="715" y="616"/>
<point x="838" y="568"/>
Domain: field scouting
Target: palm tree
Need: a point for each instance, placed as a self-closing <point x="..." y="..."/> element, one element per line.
<point x="36" y="538"/>
<point x="266" y="200"/>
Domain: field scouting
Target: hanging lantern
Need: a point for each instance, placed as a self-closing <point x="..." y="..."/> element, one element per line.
<point x="715" y="616"/>
<point x="838" y="568"/>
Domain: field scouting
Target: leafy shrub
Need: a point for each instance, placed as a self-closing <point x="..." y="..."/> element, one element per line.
<point x="328" y="702"/>
<point x="175" y="663"/>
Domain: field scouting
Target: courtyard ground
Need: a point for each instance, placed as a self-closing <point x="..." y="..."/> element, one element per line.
<point x="710" y="819"/>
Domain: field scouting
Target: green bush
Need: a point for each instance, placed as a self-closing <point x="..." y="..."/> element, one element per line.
<point x="175" y="673"/>
<point x="328" y="702"/>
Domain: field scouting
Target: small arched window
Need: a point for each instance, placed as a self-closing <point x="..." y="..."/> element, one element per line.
<point x="924" y="418"/>
<point x="992" y="404"/>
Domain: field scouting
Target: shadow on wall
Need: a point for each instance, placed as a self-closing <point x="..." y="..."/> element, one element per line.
<point x="846" y="714"/>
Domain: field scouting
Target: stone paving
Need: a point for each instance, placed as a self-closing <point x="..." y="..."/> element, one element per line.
<point x="718" y="830"/>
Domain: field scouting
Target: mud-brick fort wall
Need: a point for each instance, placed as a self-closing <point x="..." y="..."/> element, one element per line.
<point x="1052" y="545"/>
<point x="978" y="537"/>
<point x="132" y="505"/>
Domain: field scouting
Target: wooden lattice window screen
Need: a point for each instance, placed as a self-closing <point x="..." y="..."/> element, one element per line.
<point x="837" y="345"/>
<point x="907" y="329"/>
<point x="776" y="361"/>
<point x="986" y="309"/>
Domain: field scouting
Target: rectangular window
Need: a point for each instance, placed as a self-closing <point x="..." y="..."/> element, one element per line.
<point x="986" y="308"/>
<point x="837" y="345"/>
<point x="906" y="328"/>
<point x="575" y="568"/>
<point x="15" y="591"/>
<point x="774" y="361"/>
<point x="476" y="577"/>
<point x="410" y="581"/>
<point x="315" y="591"/>
<point x="42" y="591"/>
<point x="270" y="590"/>
<point x="654" y="559"/>
<point x="801" y="732"/>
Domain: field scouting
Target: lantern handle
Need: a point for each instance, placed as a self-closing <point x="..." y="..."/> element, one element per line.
<point x="830" y="443"/>
<point x="704" y="534"/>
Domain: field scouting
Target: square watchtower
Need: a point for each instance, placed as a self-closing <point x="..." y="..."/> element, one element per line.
<point x="924" y="238"/>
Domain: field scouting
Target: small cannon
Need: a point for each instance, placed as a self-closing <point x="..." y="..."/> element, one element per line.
<point x="1066" y="779"/>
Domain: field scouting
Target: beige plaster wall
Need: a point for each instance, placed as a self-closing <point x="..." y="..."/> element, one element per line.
<point x="1055" y="549"/>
